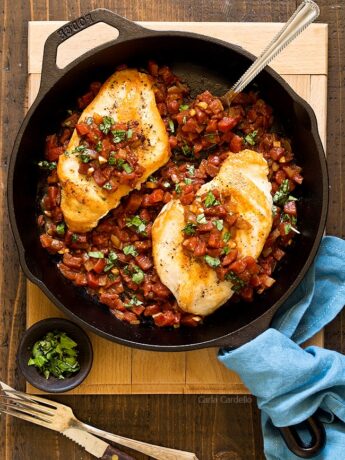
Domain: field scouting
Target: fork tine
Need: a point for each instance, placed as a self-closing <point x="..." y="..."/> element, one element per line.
<point x="26" y="411"/>
<point x="32" y="398"/>
<point x="22" y="416"/>
<point x="26" y="404"/>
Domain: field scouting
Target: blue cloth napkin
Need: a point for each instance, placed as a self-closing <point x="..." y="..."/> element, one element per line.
<point x="291" y="383"/>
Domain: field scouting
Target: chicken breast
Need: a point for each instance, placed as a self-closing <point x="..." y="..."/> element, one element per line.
<point x="127" y="95"/>
<point x="194" y="284"/>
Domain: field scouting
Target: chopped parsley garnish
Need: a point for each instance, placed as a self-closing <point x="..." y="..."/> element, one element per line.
<point x="106" y="124"/>
<point x="186" y="150"/>
<point x="50" y="165"/>
<point x="226" y="237"/>
<point x="111" y="261"/>
<point x="55" y="354"/>
<point x="178" y="188"/>
<point x="134" y="302"/>
<point x="188" y="181"/>
<point x="79" y="149"/>
<point x="219" y="224"/>
<point x="108" y="186"/>
<point x="189" y="229"/>
<point x="201" y="219"/>
<point x="99" y="146"/>
<point x="152" y="179"/>
<point x="282" y="194"/>
<point x="60" y="229"/>
<point x="238" y="284"/>
<point x="137" y="223"/>
<point x="225" y="250"/>
<point x="171" y="126"/>
<point x="96" y="254"/>
<point x="191" y="170"/>
<point x="130" y="250"/>
<point x="119" y="135"/>
<point x="85" y="157"/>
<point x="213" y="262"/>
<point x="183" y="107"/>
<point x="112" y="159"/>
<point x="129" y="133"/>
<point x="210" y="200"/>
<point x="138" y="275"/>
<point x="74" y="238"/>
<point x="250" y="138"/>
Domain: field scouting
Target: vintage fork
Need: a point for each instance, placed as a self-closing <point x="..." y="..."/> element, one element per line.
<point x="59" y="417"/>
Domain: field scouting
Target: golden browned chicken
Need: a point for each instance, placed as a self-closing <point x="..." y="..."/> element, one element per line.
<point x="194" y="284"/>
<point x="126" y="96"/>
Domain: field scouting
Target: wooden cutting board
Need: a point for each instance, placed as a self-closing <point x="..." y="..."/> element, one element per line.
<point x="122" y="370"/>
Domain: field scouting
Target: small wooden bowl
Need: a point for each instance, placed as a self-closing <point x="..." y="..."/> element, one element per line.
<point x="37" y="332"/>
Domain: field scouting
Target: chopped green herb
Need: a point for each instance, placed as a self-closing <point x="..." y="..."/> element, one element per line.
<point x="99" y="146"/>
<point x="60" y="229"/>
<point x="85" y="157"/>
<point x="137" y="223"/>
<point x="127" y="168"/>
<point x="178" y="188"/>
<point x="112" y="159"/>
<point x="225" y="250"/>
<point x="191" y="170"/>
<point x="55" y="354"/>
<point x="274" y="210"/>
<point x="69" y="111"/>
<point x="238" y="284"/>
<point x="282" y="194"/>
<point x="106" y="124"/>
<point x="183" y="107"/>
<point x="219" y="224"/>
<point x="79" y="149"/>
<point x="171" y="126"/>
<point x="210" y="200"/>
<point x="186" y="150"/>
<point x="111" y="276"/>
<point x="130" y="250"/>
<point x="189" y="229"/>
<point x="226" y="237"/>
<point x="134" y="302"/>
<point x="201" y="219"/>
<point x="250" y="138"/>
<point x="50" y="165"/>
<point x="129" y="133"/>
<point x="152" y="179"/>
<point x="138" y="275"/>
<point x="74" y="238"/>
<point x="188" y="181"/>
<point x="96" y="254"/>
<point x="108" y="186"/>
<point x="213" y="262"/>
<point x="112" y="257"/>
<point x="119" y="135"/>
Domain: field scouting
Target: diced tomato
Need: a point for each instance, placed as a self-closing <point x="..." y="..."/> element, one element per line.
<point x="238" y="266"/>
<point x="160" y="290"/>
<point x="144" y="262"/>
<point x="72" y="261"/>
<point x="82" y="129"/>
<point x="99" y="177"/>
<point x="290" y="208"/>
<point x="85" y="100"/>
<point x="156" y="196"/>
<point x="236" y="144"/>
<point x="200" y="249"/>
<point x="226" y="123"/>
<point x="166" y="318"/>
<point x="99" y="265"/>
<point x="134" y="202"/>
<point x="80" y="279"/>
<point x="229" y="258"/>
<point x="215" y="239"/>
<point x="92" y="280"/>
<point x="152" y="310"/>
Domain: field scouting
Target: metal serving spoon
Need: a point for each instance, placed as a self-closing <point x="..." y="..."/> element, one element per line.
<point x="305" y="14"/>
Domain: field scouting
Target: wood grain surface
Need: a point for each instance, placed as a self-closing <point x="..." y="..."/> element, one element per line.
<point x="216" y="428"/>
<point x="136" y="371"/>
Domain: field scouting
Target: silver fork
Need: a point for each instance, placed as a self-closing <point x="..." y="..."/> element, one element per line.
<point x="59" y="417"/>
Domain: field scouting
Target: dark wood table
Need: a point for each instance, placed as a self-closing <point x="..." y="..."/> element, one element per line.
<point x="223" y="428"/>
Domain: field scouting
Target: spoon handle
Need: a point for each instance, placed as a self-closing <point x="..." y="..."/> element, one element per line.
<point x="305" y="14"/>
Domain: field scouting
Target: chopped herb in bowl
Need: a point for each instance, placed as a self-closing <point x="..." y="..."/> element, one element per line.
<point x="55" y="355"/>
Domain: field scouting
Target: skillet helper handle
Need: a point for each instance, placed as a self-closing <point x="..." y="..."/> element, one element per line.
<point x="297" y="446"/>
<point x="126" y="29"/>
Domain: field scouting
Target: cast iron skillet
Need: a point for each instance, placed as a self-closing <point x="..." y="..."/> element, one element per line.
<point x="205" y="63"/>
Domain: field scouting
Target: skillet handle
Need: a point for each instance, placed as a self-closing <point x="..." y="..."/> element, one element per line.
<point x="297" y="446"/>
<point x="127" y="29"/>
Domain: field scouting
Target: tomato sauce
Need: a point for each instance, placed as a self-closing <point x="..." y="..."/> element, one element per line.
<point x="114" y="261"/>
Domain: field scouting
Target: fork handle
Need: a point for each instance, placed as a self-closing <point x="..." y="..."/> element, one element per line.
<point x="157" y="452"/>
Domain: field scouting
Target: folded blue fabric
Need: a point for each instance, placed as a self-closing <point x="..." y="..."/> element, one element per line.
<point x="291" y="383"/>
